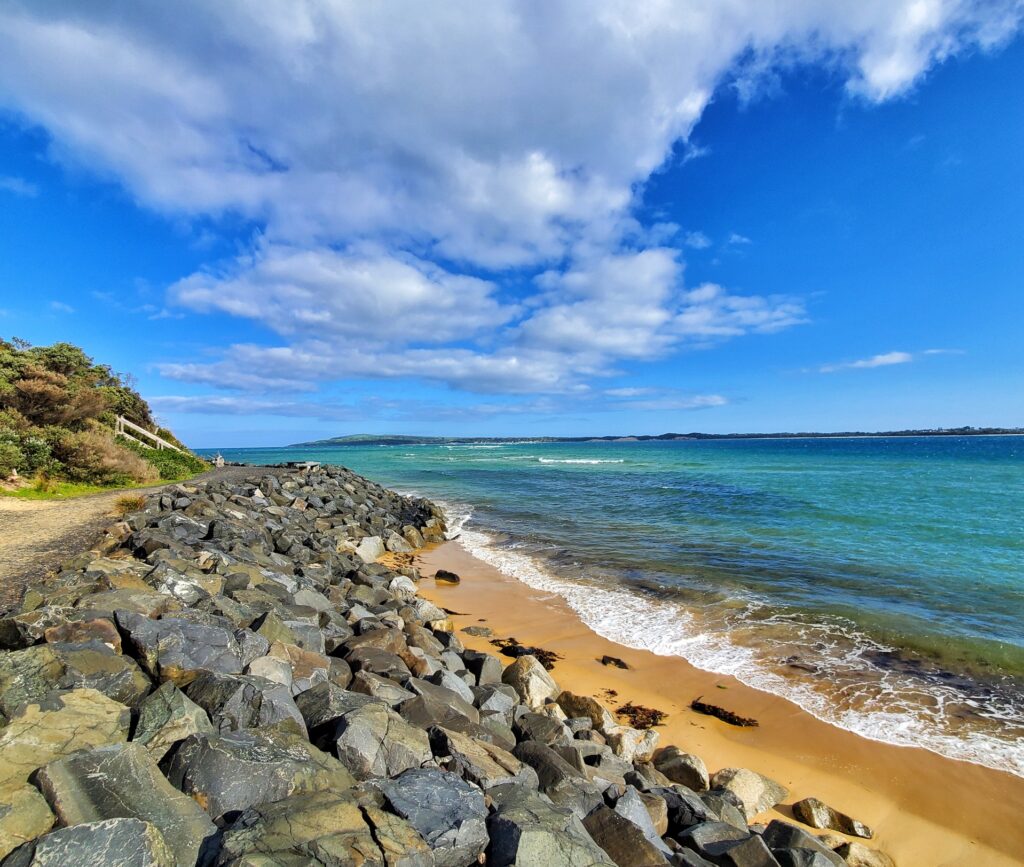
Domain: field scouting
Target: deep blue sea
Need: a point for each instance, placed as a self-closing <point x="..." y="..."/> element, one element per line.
<point x="877" y="582"/>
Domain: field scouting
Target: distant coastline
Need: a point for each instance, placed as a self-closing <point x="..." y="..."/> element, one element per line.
<point x="402" y="440"/>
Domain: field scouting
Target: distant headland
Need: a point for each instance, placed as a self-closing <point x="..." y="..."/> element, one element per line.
<point x="402" y="440"/>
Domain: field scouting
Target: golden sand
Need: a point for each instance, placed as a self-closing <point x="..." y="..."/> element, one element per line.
<point x="926" y="810"/>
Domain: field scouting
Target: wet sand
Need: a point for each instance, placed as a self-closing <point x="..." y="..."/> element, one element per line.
<point x="926" y="810"/>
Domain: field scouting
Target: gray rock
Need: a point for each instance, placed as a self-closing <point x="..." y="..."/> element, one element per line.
<point x="683" y="768"/>
<point x="445" y="810"/>
<point x="858" y="855"/>
<point x="726" y="806"/>
<point x="179" y="650"/>
<point x="529" y="679"/>
<point x="322" y="828"/>
<point x="713" y="839"/>
<point x="780" y="836"/>
<point x="58" y="725"/>
<point x="380" y="687"/>
<point x="757" y="793"/>
<point x="244" y="701"/>
<point x="235" y="770"/>
<point x="110" y="843"/>
<point x="543" y="729"/>
<point x="818" y="814"/>
<point x="526" y="829"/>
<point x="166" y="717"/>
<point x="631" y="806"/>
<point x="123" y="782"/>
<point x="479" y="762"/>
<point x="685" y="808"/>
<point x="24" y="815"/>
<point x="374" y="741"/>
<point x="625" y="843"/>
<point x="560" y="781"/>
<point x="452" y="698"/>
<point x="485" y="667"/>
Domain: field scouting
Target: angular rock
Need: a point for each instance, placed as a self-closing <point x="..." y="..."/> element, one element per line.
<point x="531" y="681"/>
<point x="244" y="701"/>
<point x="624" y="842"/>
<point x="179" y="650"/>
<point x="684" y="768"/>
<point x="58" y="725"/>
<point x="374" y="741"/>
<point x="526" y="829"/>
<point x="308" y="668"/>
<point x="123" y="782"/>
<point x="560" y="781"/>
<point x="713" y="839"/>
<point x="781" y="837"/>
<point x="452" y="698"/>
<point x="235" y="770"/>
<point x="110" y="843"/>
<point x="310" y="828"/>
<point x="445" y="810"/>
<point x="858" y="855"/>
<point x="820" y="815"/>
<point x="751" y="852"/>
<point x="166" y="717"/>
<point x="380" y="687"/>
<point x="585" y="706"/>
<point x="632" y="806"/>
<point x="24" y="815"/>
<point x="756" y="792"/>
<point x="479" y="762"/>
<point x="543" y="729"/>
<point x="633" y="745"/>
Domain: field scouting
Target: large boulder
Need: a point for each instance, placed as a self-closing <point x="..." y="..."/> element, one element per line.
<point x="560" y="781"/>
<point x="479" y="762"/>
<point x="633" y="807"/>
<point x="531" y="681"/>
<point x="526" y="829"/>
<point x="28" y="675"/>
<point x="757" y="793"/>
<point x="24" y="815"/>
<point x="123" y="782"/>
<point x="445" y="810"/>
<point x="858" y="855"/>
<point x="374" y="741"/>
<point x="179" y="650"/>
<point x="110" y="843"/>
<point x="322" y="828"/>
<point x="684" y="768"/>
<point x="166" y="717"/>
<point x="235" y="770"/>
<point x="58" y="725"/>
<point x="244" y="701"/>
<point x="625" y="843"/>
<point x="794" y="844"/>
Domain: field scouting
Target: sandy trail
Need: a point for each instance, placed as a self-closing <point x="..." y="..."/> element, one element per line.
<point x="36" y="536"/>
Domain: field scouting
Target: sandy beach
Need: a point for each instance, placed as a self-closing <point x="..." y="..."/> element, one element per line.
<point x="926" y="810"/>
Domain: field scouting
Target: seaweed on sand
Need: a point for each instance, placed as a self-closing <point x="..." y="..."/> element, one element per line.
<point x="511" y="647"/>
<point x="721" y="713"/>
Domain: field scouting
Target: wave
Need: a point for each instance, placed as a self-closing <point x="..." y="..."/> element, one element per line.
<point x="666" y="628"/>
<point x="579" y="461"/>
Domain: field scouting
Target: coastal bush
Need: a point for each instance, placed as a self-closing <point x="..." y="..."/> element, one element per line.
<point x="58" y="409"/>
<point x="129" y="503"/>
<point x="93" y="456"/>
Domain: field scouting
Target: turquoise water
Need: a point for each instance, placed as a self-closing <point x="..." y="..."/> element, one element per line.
<point x="877" y="582"/>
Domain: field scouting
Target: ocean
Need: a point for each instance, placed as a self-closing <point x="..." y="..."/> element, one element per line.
<point x="876" y="582"/>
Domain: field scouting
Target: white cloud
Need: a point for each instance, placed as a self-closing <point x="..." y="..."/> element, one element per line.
<point x="885" y="359"/>
<point x="18" y="186"/>
<point x="736" y="238"/>
<point x="61" y="307"/>
<point x="697" y="240"/>
<point x="444" y="193"/>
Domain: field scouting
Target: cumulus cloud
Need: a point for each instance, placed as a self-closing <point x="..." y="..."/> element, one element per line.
<point x="446" y="193"/>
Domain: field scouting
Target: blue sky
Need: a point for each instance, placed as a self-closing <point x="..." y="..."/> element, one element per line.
<point x="518" y="220"/>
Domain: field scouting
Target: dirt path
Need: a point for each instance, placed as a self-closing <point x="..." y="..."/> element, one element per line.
<point x="36" y="536"/>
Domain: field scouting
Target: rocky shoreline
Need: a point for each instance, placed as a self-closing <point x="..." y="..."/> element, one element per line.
<point x="233" y="676"/>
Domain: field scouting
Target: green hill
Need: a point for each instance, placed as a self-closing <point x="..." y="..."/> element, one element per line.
<point x="58" y="409"/>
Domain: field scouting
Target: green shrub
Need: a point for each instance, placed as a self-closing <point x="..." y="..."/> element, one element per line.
<point x="170" y="464"/>
<point x="11" y="458"/>
<point x="93" y="456"/>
